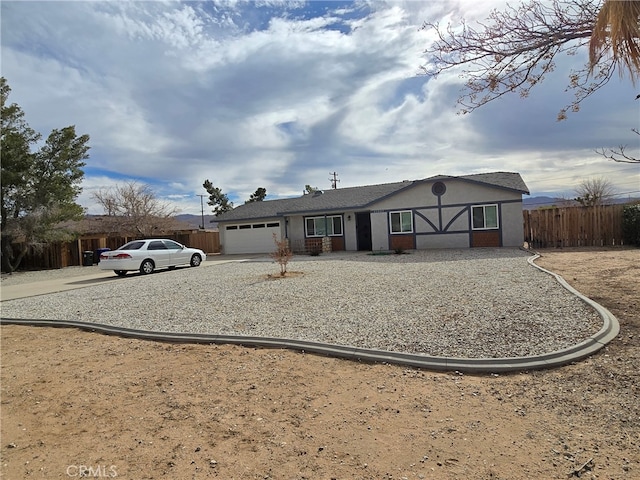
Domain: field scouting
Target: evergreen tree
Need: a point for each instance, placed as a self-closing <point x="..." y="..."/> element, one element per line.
<point x="218" y="200"/>
<point x="39" y="188"/>
<point x="258" y="196"/>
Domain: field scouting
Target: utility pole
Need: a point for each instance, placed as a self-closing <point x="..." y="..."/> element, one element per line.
<point x="334" y="180"/>
<point x="202" y="210"/>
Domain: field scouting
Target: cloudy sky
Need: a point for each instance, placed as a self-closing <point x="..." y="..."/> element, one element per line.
<point x="281" y="94"/>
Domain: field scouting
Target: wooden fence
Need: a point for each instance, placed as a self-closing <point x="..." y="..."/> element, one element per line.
<point x="67" y="254"/>
<point x="574" y="226"/>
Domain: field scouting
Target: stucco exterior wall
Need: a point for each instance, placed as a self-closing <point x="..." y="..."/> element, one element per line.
<point x="223" y="241"/>
<point x="458" y="240"/>
<point x="350" y="236"/>
<point x="379" y="231"/>
<point x="417" y="196"/>
<point x="512" y="226"/>
<point x="295" y="228"/>
<point x="449" y="219"/>
<point x="468" y="192"/>
<point x="457" y="192"/>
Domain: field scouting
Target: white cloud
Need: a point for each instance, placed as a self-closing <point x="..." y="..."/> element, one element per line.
<point x="280" y="94"/>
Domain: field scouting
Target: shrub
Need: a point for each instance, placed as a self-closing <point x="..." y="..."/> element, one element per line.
<point x="631" y="224"/>
<point x="282" y="254"/>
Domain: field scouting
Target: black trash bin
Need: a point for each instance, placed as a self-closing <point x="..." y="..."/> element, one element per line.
<point x="87" y="258"/>
<point x="99" y="252"/>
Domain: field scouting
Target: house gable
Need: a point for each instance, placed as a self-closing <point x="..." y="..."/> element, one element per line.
<point x="441" y="210"/>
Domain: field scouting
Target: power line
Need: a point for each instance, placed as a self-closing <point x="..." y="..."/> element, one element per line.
<point x="625" y="193"/>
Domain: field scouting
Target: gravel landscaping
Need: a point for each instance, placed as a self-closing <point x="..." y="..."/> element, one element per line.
<point x="481" y="303"/>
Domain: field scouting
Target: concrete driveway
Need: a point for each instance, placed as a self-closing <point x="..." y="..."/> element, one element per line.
<point x="52" y="281"/>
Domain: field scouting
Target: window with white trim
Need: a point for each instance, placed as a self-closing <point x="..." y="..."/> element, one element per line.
<point x="484" y="217"/>
<point x="324" y="226"/>
<point x="401" y="222"/>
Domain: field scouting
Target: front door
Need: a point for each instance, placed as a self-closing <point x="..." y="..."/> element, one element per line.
<point x="363" y="231"/>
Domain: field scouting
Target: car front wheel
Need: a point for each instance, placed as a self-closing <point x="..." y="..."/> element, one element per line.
<point x="120" y="273"/>
<point x="196" y="260"/>
<point x="147" y="267"/>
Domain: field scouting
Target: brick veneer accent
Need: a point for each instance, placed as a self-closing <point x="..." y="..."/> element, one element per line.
<point x="488" y="238"/>
<point x="323" y="245"/>
<point x="337" y="244"/>
<point x="313" y="245"/>
<point x="405" y="242"/>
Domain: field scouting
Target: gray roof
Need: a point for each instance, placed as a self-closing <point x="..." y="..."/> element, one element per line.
<point x="354" y="198"/>
<point x="505" y="180"/>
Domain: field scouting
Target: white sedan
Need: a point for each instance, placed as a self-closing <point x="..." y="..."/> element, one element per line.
<point x="148" y="255"/>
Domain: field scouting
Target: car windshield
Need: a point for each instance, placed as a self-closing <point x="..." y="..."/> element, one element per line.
<point x="132" y="246"/>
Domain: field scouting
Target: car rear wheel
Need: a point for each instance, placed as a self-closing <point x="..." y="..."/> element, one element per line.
<point x="120" y="273"/>
<point x="196" y="260"/>
<point x="147" y="267"/>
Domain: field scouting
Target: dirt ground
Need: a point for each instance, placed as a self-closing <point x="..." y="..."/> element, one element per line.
<point x="77" y="404"/>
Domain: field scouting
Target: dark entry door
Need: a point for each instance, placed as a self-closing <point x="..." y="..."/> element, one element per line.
<point x="363" y="231"/>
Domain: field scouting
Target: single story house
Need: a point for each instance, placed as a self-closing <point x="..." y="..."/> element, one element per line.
<point x="480" y="210"/>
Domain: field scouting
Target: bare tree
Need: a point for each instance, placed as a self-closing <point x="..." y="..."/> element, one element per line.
<point x="133" y="208"/>
<point x="514" y="49"/>
<point x="594" y="191"/>
<point x="282" y="254"/>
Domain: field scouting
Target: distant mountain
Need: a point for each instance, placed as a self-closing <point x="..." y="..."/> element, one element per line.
<point x="538" y="202"/>
<point x="195" y="221"/>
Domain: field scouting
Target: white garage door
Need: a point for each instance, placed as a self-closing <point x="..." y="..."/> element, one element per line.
<point x="250" y="237"/>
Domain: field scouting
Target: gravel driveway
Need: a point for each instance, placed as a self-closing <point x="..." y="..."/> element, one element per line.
<point x="480" y="303"/>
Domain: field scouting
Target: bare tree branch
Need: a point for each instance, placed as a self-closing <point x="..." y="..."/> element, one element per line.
<point x="514" y="49"/>
<point x="620" y="155"/>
